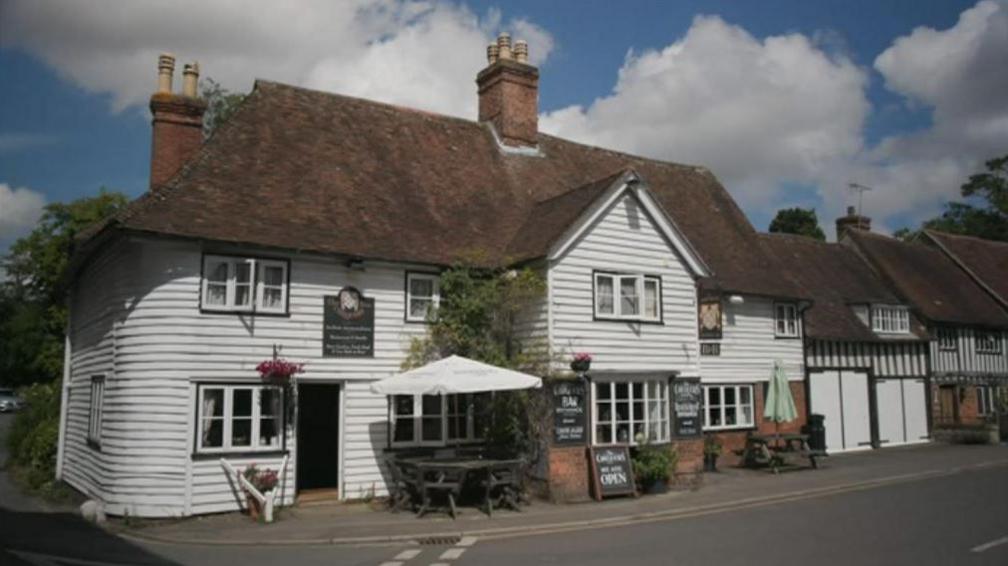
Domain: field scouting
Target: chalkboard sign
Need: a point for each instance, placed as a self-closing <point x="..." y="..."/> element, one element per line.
<point x="687" y="404"/>
<point x="347" y="325"/>
<point x="612" y="471"/>
<point x="569" y="423"/>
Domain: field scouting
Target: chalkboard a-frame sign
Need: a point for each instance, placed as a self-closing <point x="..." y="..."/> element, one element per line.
<point x="687" y="407"/>
<point x="612" y="471"/>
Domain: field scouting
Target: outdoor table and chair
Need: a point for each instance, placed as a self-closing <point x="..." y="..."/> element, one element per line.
<point x="779" y="450"/>
<point x="423" y="482"/>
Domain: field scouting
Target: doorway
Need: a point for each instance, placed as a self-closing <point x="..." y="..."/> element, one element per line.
<point x="318" y="436"/>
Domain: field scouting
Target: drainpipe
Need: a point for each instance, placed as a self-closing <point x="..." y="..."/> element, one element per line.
<point x="64" y="398"/>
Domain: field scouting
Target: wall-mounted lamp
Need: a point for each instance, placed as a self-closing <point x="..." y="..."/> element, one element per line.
<point x="355" y="263"/>
<point x="736" y="299"/>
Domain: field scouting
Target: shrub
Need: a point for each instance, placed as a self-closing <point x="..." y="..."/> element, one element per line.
<point x="652" y="464"/>
<point x="34" y="434"/>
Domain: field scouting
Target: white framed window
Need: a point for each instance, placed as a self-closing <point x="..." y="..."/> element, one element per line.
<point x="95" y="407"/>
<point x="435" y="420"/>
<point x="946" y="338"/>
<point x="988" y="342"/>
<point x="423" y="295"/>
<point x="728" y="406"/>
<point x="889" y="319"/>
<point x="239" y="418"/>
<point x="627" y="297"/>
<point x="987" y="399"/>
<point x="241" y="284"/>
<point x="786" y="320"/>
<point x="624" y="411"/>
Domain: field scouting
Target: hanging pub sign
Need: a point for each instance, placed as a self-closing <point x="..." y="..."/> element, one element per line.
<point x="347" y="325"/>
<point x="569" y="414"/>
<point x="612" y="471"/>
<point x="710" y="319"/>
<point x="687" y="404"/>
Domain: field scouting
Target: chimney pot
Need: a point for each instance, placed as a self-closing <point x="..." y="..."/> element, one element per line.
<point x="504" y="46"/>
<point x="190" y="78"/>
<point x="850" y="211"/>
<point x="853" y="221"/>
<point x="491" y="53"/>
<point x="521" y="51"/>
<point x="166" y="68"/>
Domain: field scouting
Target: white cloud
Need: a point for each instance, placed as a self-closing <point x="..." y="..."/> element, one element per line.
<point x="20" y="209"/>
<point x="759" y="113"/>
<point x="424" y="54"/>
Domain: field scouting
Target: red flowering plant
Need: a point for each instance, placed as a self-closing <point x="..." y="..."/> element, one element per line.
<point x="262" y="480"/>
<point x="279" y="369"/>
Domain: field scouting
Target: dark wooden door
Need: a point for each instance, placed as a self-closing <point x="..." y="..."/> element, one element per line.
<point x="948" y="407"/>
<point x="318" y="436"/>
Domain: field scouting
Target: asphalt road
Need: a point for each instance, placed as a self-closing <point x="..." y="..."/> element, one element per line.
<point x="959" y="518"/>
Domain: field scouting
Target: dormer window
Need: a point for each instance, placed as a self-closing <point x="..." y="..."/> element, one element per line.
<point x="890" y="319"/>
<point x="628" y="297"/>
<point x="244" y="284"/>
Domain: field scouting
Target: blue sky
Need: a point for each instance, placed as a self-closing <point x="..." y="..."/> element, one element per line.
<point x="784" y="101"/>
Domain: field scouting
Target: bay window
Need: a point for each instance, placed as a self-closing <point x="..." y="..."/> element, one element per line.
<point x="239" y="418"/>
<point x="436" y="420"/>
<point x="728" y="406"/>
<point x="890" y="319"/>
<point x="626" y="412"/>
<point x="627" y="297"/>
<point x="240" y="284"/>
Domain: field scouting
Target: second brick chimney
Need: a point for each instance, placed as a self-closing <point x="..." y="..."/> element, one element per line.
<point x="853" y="221"/>
<point x="509" y="93"/>
<point x="177" y="121"/>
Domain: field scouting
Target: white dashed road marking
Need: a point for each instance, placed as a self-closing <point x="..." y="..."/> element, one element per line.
<point x="990" y="545"/>
<point x="467" y="541"/>
<point x="452" y="553"/>
<point x="408" y="554"/>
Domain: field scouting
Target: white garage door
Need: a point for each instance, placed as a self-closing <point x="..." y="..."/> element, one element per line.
<point x="901" y="411"/>
<point x="842" y="397"/>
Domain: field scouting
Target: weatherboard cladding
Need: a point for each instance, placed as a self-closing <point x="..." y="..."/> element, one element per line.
<point x="305" y="170"/>
<point x="749" y="346"/>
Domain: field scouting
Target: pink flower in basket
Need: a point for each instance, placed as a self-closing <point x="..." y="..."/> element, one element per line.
<point x="279" y="369"/>
<point x="582" y="357"/>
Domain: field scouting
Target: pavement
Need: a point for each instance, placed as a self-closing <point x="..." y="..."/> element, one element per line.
<point x="725" y="491"/>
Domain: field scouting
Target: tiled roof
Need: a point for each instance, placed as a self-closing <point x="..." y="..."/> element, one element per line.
<point x="837" y="279"/>
<point x="930" y="281"/>
<point x="985" y="260"/>
<point x="306" y="170"/>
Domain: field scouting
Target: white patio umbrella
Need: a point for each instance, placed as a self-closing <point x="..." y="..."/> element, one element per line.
<point x="455" y="374"/>
<point x="780" y="405"/>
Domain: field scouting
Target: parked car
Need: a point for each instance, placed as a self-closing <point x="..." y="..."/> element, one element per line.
<point x="9" y="401"/>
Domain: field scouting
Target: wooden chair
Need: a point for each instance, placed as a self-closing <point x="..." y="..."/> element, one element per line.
<point x="403" y="492"/>
<point x="504" y="486"/>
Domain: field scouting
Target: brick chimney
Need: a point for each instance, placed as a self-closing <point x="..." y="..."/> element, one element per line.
<point x="853" y="221"/>
<point x="509" y="93"/>
<point x="177" y="121"/>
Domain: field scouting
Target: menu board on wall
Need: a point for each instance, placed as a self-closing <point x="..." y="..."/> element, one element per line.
<point x="569" y="414"/>
<point x="612" y="471"/>
<point x="347" y="325"/>
<point x="687" y="404"/>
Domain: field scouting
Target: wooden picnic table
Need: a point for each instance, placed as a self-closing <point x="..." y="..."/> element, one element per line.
<point x="779" y="450"/>
<point x="450" y="475"/>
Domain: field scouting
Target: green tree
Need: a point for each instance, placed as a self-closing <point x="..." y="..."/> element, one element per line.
<point x="33" y="299"/>
<point x="989" y="220"/>
<point x="221" y="104"/>
<point x="797" y="220"/>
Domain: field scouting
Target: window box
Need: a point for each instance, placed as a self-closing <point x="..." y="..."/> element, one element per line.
<point x="423" y="295"/>
<point x="890" y="319"/>
<point x="785" y="320"/>
<point x="242" y="284"/>
<point x="625" y="410"/>
<point x="728" y="407"/>
<point x="631" y="297"/>
<point x="239" y="419"/>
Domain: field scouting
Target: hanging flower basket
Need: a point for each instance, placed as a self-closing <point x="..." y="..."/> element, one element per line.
<point x="279" y="371"/>
<point x="581" y="362"/>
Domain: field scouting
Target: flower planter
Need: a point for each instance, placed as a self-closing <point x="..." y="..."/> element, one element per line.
<point x="656" y="487"/>
<point x="253" y="506"/>
<point x="580" y="366"/>
<point x="710" y="462"/>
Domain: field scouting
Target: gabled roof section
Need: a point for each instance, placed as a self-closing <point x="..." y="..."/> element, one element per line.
<point x="556" y="224"/>
<point x="929" y="280"/>
<point x="986" y="261"/>
<point x="838" y="279"/>
<point x="311" y="171"/>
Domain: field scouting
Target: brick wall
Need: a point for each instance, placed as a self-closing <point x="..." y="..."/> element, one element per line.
<point x="732" y="441"/>
<point x="568" y="473"/>
<point x="177" y="134"/>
